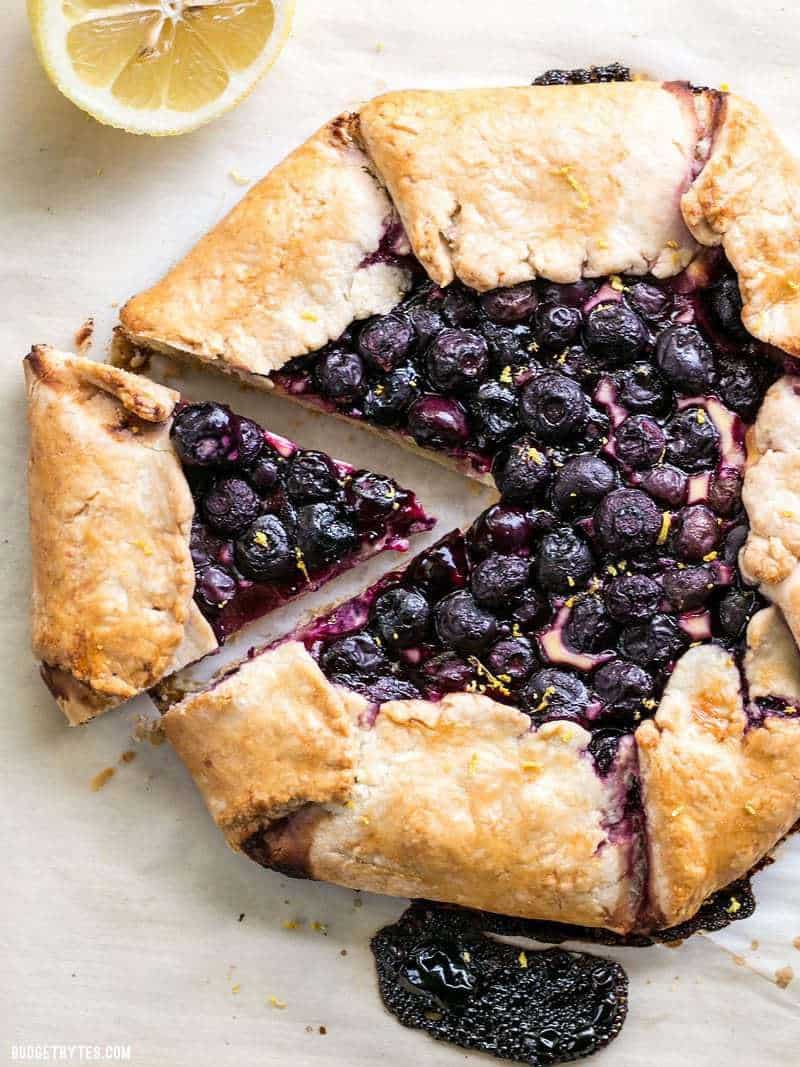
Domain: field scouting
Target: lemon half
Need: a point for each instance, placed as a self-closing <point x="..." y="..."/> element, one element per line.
<point x="158" y="66"/>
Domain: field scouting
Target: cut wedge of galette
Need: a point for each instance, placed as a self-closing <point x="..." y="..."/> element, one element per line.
<point x="586" y="706"/>
<point x="159" y="527"/>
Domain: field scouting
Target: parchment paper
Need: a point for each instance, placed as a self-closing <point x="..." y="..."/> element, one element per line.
<point x="121" y="908"/>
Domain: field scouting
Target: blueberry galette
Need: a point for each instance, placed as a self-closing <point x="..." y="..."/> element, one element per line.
<point x="585" y="707"/>
<point x="160" y="527"/>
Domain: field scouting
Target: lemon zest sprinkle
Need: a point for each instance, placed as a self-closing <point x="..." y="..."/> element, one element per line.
<point x="666" y="522"/>
<point x="522" y="959"/>
<point x="565" y="172"/>
<point x="275" y="1003"/>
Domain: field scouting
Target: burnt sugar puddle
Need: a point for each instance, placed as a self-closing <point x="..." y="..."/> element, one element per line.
<point x="439" y="972"/>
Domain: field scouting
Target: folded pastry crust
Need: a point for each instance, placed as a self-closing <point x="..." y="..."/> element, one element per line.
<point x="110" y="519"/>
<point x="457" y="801"/>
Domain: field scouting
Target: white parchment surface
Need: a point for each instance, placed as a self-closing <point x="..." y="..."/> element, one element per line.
<point x="124" y="919"/>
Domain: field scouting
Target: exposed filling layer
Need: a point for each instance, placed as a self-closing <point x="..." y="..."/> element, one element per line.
<point x="273" y="520"/>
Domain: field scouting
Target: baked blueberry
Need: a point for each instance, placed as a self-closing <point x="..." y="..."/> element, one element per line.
<point x="265" y="552"/>
<point x="685" y="359"/>
<point x="357" y="654"/>
<point x="653" y="643"/>
<point x="204" y="546"/>
<point x="248" y="442"/>
<point x="589" y="627"/>
<point x="627" y="521"/>
<point x="438" y="422"/>
<point x="388" y="687"/>
<point x="742" y="381"/>
<point x="462" y="624"/>
<point x="632" y="597"/>
<point x="555" y="694"/>
<point x="459" y="306"/>
<point x="312" y="476"/>
<point x="387" y="400"/>
<point x="500" y="529"/>
<point x="553" y="407"/>
<point x="523" y="472"/>
<point x="667" y="484"/>
<point x="214" y="588"/>
<point x="324" y="534"/>
<point x="508" y="346"/>
<point x="426" y="322"/>
<point x="725" y="491"/>
<point x="692" y="441"/>
<point x="557" y="325"/>
<point x="623" y="685"/>
<point x="493" y="414"/>
<point x="512" y="660"/>
<point x="687" y="588"/>
<point x="528" y="614"/>
<point x="204" y="435"/>
<point x="725" y="302"/>
<point x="341" y="376"/>
<point x="734" y="541"/>
<point x="509" y="306"/>
<point x="639" y="441"/>
<point x="581" y="482"/>
<point x="641" y="389"/>
<point x="372" y="496"/>
<point x="650" y="301"/>
<point x="230" y="506"/>
<point x="734" y="611"/>
<point x="447" y="673"/>
<point x="457" y="361"/>
<point x="604" y="746"/>
<point x="697" y="534"/>
<point x="615" y="332"/>
<point x="265" y="473"/>
<point x="577" y="362"/>
<point x="564" y="562"/>
<point x="498" y="580"/>
<point x="401" y="617"/>
<point x="442" y="568"/>
<point x="385" y="342"/>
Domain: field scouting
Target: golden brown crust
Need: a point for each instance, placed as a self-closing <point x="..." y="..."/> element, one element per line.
<point x="717" y="794"/>
<point x="747" y="199"/>
<point x="110" y="516"/>
<point x="457" y="801"/>
<point x="285" y="271"/>
<point x="497" y="186"/>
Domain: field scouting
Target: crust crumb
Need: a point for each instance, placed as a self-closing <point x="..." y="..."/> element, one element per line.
<point x="101" y="779"/>
<point x="83" y="336"/>
<point x="783" y="977"/>
<point x="796" y="943"/>
<point x="128" y="756"/>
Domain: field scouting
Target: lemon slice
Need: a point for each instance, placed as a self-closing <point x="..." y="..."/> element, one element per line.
<point x="158" y="66"/>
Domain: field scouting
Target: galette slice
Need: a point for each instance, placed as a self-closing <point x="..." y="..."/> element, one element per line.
<point x="159" y="526"/>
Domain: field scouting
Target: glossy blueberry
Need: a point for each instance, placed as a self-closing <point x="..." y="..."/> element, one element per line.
<point x="648" y="300"/>
<point x="555" y="694"/>
<point x="627" y="521"/>
<point x="685" y="359"/>
<point x="697" y="534"/>
<point x="341" y="376"/>
<point x="639" y="441"/>
<point x="204" y="435"/>
<point x="493" y="413"/>
<point x="667" y="484"/>
<point x="578" y="363"/>
<point x="742" y="382"/>
<point x="692" y="441"/>
<point x="725" y="302"/>
<point x="604" y="746"/>
<point x="734" y="541"/>
<point x="564" y="562"/>
<point x="265" y="552"/>
<point x="438" y="421"/>
<point x="581" y="483"/>
<point x="214" y="587"/>
<point x="324" y="534"/>
<point x="524" y="472"/>
<point x="512" y="660"/>
<point x="529" y="612"/>
<point x="632" y="597"/>
<point x="500" y="529"/>
<point x="596" y="430"/>
<point x="462" y="624"/>
<point x="557" y="325"/>
<point x="508" y="346"/>
<point x="725" y="491"/>
<point x="372" y="496"/>
<point x="589" y="627"/>
<point x="230" y="506"/>
<point x="312" y="476"/>
<point x="615" y="332"/>
<point x="204" y="546"/>
<point x="687" y="588"/>
<point x="553" y="407"/>
<point x="401" y="617"/>
<point x="387" y="400"/>
<point x="623" y="685"/>
<point x="385" y="342"/>
<point x="575" y="294"/>
<point x="498" y="580"/>
<point x="653" y="643"/>
<point x="459" y="306"/>
<point x="442" y="568"/>
<point x="734" y="611"/>
<point x="510" y="306"/>
<point x="265" y="473"/>
<point x="357" y="654"/>
<point x="388" y="687"/>
<point x="426" y="322"/>
<point x="447" y="673"/>
<point x="248" y="443"/>
<point x="457" y="361"/>
<point x="642" y="390"/>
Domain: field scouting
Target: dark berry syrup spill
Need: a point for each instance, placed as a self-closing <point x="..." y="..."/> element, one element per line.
<point x="437" y="972"/>
<point x="272" y="520"/>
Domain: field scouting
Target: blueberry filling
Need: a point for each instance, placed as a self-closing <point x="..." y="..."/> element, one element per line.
<point x="272" y="520"/>
<point x="612" y="418"/>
